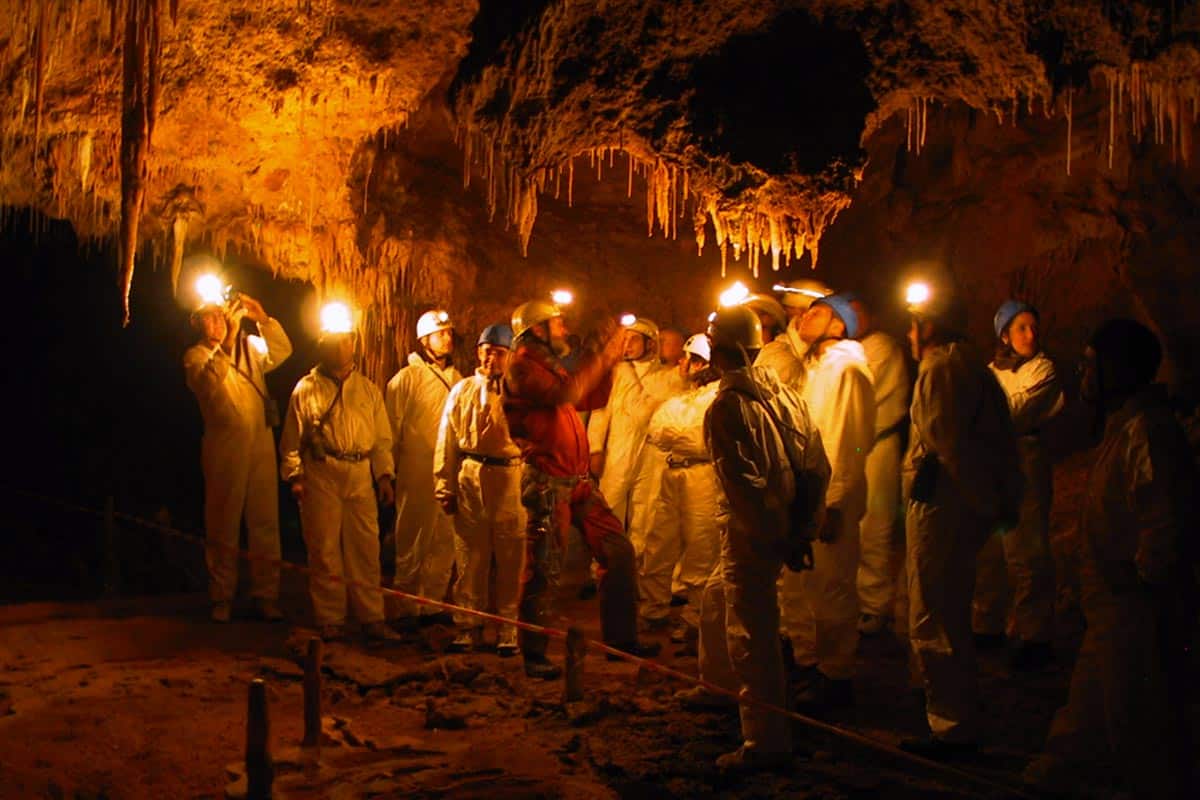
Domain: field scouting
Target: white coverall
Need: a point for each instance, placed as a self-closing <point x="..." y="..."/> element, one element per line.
<point x="237" y="455"/>
<point x="785" y="355"/>
<point x="651" y="464"/>
<point x="739" y="616"/>
<point x="820" y="606"/>
<point x="619" y="429"/>
<point x="687" y="513"/>
<point x="881" y="560"/>
<point x="338" y="514"/>
<point x="960" y="418"/>
<point x="490" y="520"/>
<point x="415" y="398"/>
<point x="1130" y="683"/>
<point x="1034" y="397"/>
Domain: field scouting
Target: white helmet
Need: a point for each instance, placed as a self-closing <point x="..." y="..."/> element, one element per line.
<point x="698" y="346"/>
<point x="432" y="322"/>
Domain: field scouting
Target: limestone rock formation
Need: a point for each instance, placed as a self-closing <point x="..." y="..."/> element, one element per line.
<point x="1004" y="137"/>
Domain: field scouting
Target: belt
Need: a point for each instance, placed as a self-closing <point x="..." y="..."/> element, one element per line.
<point x="493" y="461"/>
<point x="562" y="481"/>
<point x="678" y="463"/>
<point x="893" y="429"/>
<point x="353" y="457"/>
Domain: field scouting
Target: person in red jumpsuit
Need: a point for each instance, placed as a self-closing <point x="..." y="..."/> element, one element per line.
<point x="542" y="401"/>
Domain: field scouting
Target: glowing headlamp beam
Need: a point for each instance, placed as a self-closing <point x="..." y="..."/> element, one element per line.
<point x="562" y="297"/>
<point x="628" y="319"/>
<point x="210" y="289"/>
<point x="336" y="318"/>
<point x="734" y="294"/>
<point x="917" y="294"/>
<point x="813" y="293"/>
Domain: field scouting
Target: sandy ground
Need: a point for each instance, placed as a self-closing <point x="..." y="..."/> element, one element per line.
<point x="155" y="706"/>
<point x="148" y="699"/>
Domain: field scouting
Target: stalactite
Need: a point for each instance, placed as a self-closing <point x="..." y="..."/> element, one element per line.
<point x="1112" y="122"/>
<point x="39" y="78"/>
<point x="650" y="197"/>
<point x="1070" y="121"/>
<point x="924" y="122"/>
<point x="178" y="238"/>
<point x="140" y="45"/>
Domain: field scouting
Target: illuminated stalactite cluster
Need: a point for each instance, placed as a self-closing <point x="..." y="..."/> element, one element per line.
<point x="180" y="124"/>
<point x="174" y="125"/>
<point x="671" y="195"/>
<point x="1157" y="101"/>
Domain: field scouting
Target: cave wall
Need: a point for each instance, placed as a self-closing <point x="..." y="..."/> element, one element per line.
<point x="992" y="201"/>
<point x="328" y="139"/>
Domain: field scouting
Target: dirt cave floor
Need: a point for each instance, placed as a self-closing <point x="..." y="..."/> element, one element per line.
<point x="147" y="698"/>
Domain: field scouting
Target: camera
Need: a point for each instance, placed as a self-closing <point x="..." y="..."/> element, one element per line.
<point x="313" y="442"/>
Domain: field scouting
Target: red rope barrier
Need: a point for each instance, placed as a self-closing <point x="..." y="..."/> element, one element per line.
<point x="744" y="698"/>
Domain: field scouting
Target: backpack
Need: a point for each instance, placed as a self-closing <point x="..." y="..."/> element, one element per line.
<point x="992" y="484"/>
<point x="811" y="472"/>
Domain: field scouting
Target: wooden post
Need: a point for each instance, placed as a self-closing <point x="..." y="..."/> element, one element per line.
<point x="573" y="674"/>
<point x="312" y="694"/>
<point x="260" y="771"/>
<point x="111" y="562"/>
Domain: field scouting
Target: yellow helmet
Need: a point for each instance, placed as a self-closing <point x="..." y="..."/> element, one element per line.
<point x="733" y="327"/>
<point x="532" y="313"/>
<point x="765" y="304"/>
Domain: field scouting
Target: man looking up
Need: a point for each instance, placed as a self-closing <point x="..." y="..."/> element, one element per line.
<point x="540" y="402"/>
<point x="225" y="369"/>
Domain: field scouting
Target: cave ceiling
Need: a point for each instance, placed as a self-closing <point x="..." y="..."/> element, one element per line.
<point x="169" y="125"/>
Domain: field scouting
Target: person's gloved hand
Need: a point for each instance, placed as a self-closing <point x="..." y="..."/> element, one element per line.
<point x="252" y="308"/>
<point x="386" y="491"/>
<point x="613" y="335"/>
<point x="298" y="490"/>
<point x="831" y="527"/>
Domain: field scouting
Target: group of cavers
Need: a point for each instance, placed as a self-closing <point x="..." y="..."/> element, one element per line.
<point x="780" y="478"/>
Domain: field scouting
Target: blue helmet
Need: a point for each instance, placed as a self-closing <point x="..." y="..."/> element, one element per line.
<point x="498" y="335"/>
<point x="841" y="305"/>
<point x="1008" y="312"/>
